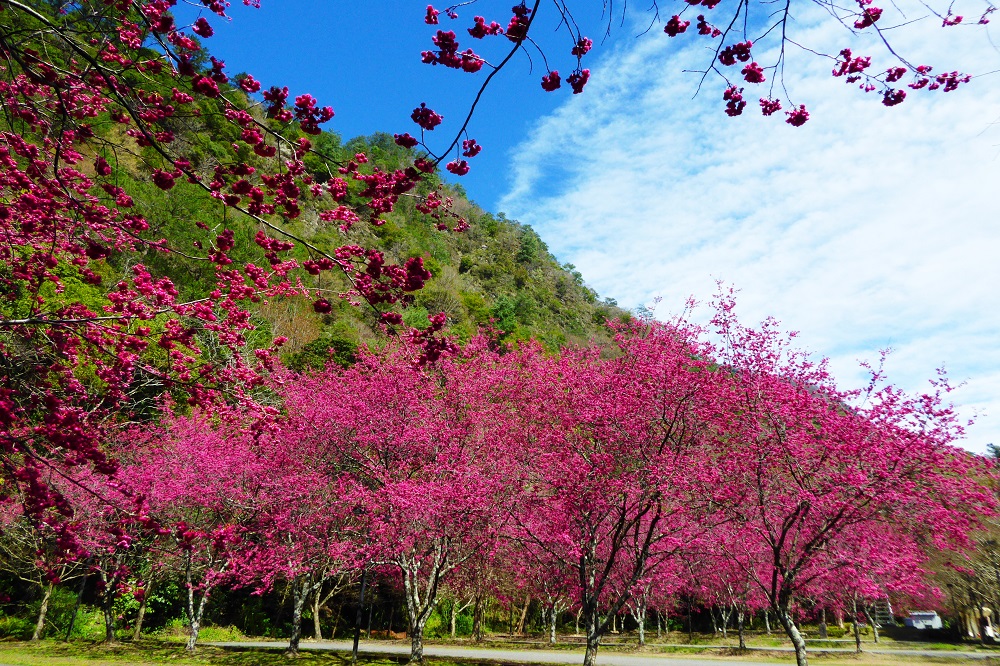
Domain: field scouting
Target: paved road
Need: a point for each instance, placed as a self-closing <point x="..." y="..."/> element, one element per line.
<point x="576" y="656"/>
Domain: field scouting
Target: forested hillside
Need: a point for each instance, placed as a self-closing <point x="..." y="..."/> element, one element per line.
<point x="494" y="272"/>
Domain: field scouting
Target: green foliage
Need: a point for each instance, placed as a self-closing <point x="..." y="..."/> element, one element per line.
<point x="331" y="347"/>
<point x="15" y="627"/>
<point x="437" y="625"/>
<point x="504" y="314"/>
<point x="416" y="317"/>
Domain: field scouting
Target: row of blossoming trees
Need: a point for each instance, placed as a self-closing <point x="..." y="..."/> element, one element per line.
<point x="604" y="480"/>
<point x="599" y="475"/>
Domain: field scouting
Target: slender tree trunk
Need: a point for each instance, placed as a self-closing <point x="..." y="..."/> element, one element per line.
<point x="576" y="625"/>
<point x="838" y="617"/>
<point x="659" y="625"/>
<point x="593" y="637"/>
<point x="108" y="606"/>
<point x="554" y="617"/>
<point x="739" y="626"/>
<point x="420" y="604"/>
<point x="524" y="614"/>
<point x="40" y="624"/>
<point x="767" y="622"/>
<point x="195" y="613"/>
<point x="300" y="592"/>
<point x="874" y="625"/>
<point x="358" y="616"/>
<point x="453" y="619"/>
<point x="477" y="618"/>
<point x="79" y="599"/>
<point x="857" y="630"/>
<point x="109" y="625"/>
<point x="785" y="618"/>
<point x="639" y="615"/>
<point x="317" y="628"/>
<point x="137" y="634"/>
<point x="336" y="621"/>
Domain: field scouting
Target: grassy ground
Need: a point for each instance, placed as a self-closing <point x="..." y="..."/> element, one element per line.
<point x="154" y="653"/>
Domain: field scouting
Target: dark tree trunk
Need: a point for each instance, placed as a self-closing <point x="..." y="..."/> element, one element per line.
<point x="477" y="618"/>
<point x="857" y="630"/>
<point x="137" y="634"/>
<point x="79" y="599"/>
<point x="359" y="615"/>
<point x="593" y="638"/>
<point x="108" y="607"/>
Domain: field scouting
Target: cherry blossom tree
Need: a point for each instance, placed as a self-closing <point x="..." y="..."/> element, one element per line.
<point x="606" y="455"/>
<point x="301" y="531"/>
<point x="808" y="473"/>
<point x="413" y="458"/>
<point x="199" y="486"/>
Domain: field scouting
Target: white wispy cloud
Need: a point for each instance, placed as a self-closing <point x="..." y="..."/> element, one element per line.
<point x="869" y="227"/>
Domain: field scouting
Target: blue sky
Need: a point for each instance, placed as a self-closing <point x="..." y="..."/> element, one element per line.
<point x="363" y="59"/>
<point x="866" y="228"/>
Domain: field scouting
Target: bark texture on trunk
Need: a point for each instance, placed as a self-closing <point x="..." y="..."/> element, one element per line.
<point x="195" y="609"/>
<point x="857" y="630"/>
<point x="150" y="584"/>
<point x="193" y="637"/>
<point x="417" y="643"/>
<point x="42" y="612"/>
<point x="137" y="633"/>
<point x="785" y="618"/>
<point x="556" y="606"/>
<point x="739" y="626"/>
<point x="107" y="606"/>
<point x="590" y="656"/>
<point x="317" y="628"/>
<point x="874" y="625"/>
<point x="456" y="609"/>
<point x="477" y="618"/>
<point x="724" y="614"/>
<point x="420" y="603"/>
<point x="524" y="614"/>
<point x="301" y="588"/>
<point x="639" y="615"/>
